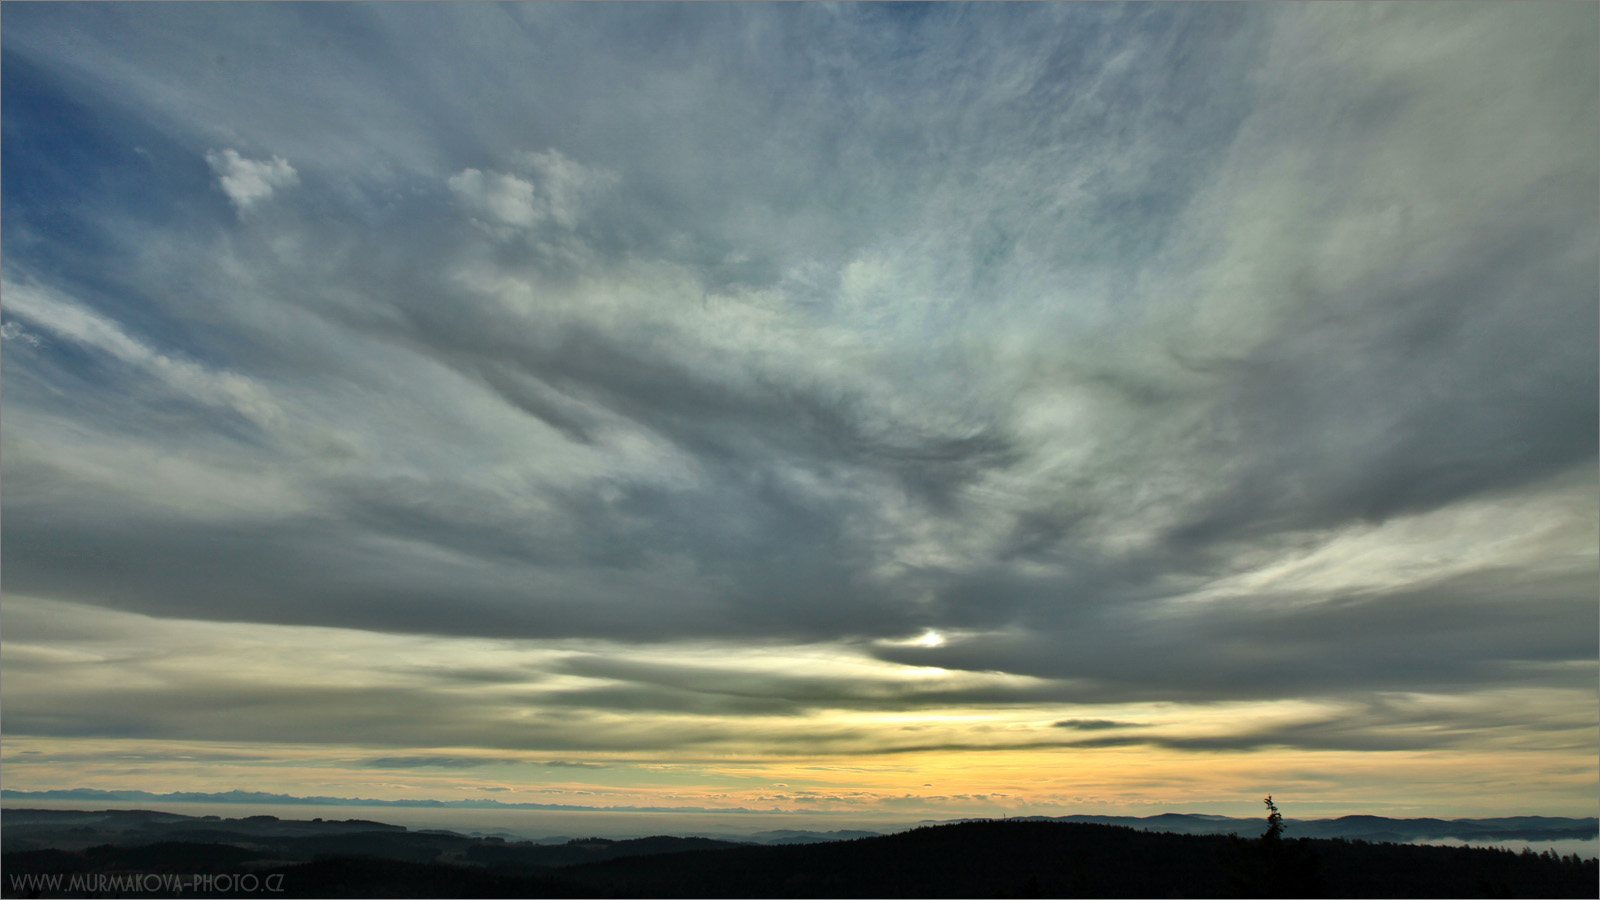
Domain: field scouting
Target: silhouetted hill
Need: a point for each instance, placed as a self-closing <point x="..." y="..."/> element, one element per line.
<point x="1053" y="859"/>
<point x="1367" y="828"/>
<point x="1007" y="858"/>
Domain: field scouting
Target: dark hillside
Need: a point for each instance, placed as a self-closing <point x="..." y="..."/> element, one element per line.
<point x="1011" y="858"/>
<point x="976" y="859"/>
<point x="1039" y="859"/>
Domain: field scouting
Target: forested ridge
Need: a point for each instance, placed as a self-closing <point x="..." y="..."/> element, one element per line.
<point x="1003" y="858"/>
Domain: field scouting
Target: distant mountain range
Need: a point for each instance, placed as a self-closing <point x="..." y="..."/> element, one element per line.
<point x="1368" y="828"/>
<point x="258" y="797"/>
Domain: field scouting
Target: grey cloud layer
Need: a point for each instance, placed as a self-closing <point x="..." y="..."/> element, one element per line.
<point x="121" y="677"/>
<point x="1018" y="324"/>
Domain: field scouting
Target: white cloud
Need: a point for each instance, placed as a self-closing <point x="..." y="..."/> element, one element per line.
<point x="567" y="184"/>
<point x="249" y="181"/>
<point x="508" y="203"/>
<point x="503" y="199"/>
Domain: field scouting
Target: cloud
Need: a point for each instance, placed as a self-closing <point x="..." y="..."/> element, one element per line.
<point x="1141" y="354"/>
<point x="53" y="312"/>
<point x="1452" y="634"/>
<point x="508" y="204"/>
<point x="567" y="185"/>
<point x="74" y="672"/>
<point x="1381" y="724"/>
<point x="13" y="331"/>
<point x="863" y="399"/>
<point x="504" y="199"/>
<point x="248" y="182"/>
<point x="429" y="762"/>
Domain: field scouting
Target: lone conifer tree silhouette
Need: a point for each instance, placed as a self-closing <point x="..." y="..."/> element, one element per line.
<point x="1274" y="866"/>
<point x="1274" y="821"/>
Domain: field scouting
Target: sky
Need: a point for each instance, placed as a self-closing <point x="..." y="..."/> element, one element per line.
<point x="864" y="409"/>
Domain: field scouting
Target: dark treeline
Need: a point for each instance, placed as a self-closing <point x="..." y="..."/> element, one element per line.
<point x="1036" y="859"/>
<point x="970" y="859"/>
